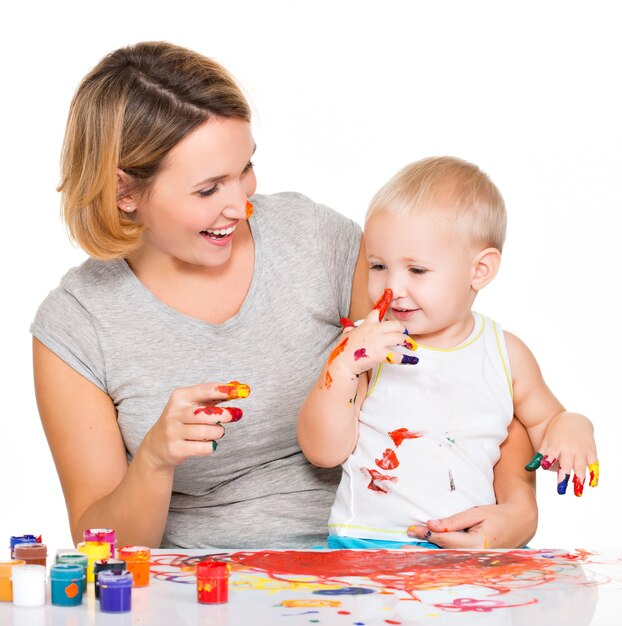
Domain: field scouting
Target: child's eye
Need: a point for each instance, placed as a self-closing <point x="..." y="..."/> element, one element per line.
<point x="418" y="270"/>
<point x="377" y="266"/>
<point x="249" y="166"/>
<point x="204" y="193"/>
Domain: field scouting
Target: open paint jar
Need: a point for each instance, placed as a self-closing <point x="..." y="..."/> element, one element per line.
<point x="137" y="559"/>
<point x="67" y="583"/>
<point x="212" y="582"/>
<point x="115" y="591"/>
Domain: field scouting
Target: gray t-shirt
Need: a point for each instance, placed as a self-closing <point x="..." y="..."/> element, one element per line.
<point x="257" y="490"/>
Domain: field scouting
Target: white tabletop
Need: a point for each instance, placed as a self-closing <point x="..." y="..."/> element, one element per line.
<point x="367" y="588"/>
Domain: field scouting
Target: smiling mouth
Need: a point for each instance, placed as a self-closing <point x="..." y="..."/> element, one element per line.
<point x="218" y="233"/>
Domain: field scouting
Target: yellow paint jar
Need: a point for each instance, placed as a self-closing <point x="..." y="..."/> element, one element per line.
<point x="95" y="551"/>
<point x="6" y="586"/>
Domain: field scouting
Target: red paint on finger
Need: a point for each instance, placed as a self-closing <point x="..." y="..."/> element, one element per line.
<point x="546" y="463"/>
<point x="236" y="414"/>
<point x="383" y="303"/>
<point x="388" y="461"/>
<point x="578" y="486"/>
<point x="209" y="410"/>
<point x="400" y="434"/>
<point x="346" y="323"/>
<point x="360" y="354"/>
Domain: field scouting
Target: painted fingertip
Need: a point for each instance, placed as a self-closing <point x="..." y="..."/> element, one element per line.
<point x="578" y="486"/>
<point x="383" y="302"/>
<point x="249" y="209"/>
<point x="546" y="463"/>
<point x="563" y="485"/>
<point x="235" y="389"/>
<point x="428" y="534"/>
<point x="409" y="343"/>
<point x="534" y="464"/>
<point x="209" y="410"/>
<point x="594" y="470"/>
<point x="236" y="414"/>
<point x="409" y="360"/>
<point x="346" y="323"/>
<point x="390" y="358"/>
<point x="214" y="445"/>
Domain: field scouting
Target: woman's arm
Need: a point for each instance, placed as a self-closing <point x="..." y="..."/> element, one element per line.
<point x="510" y="523"/>
<point x="100" y="488"/>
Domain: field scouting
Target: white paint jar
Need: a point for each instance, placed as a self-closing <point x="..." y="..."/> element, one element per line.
<point x="28" y="585"/>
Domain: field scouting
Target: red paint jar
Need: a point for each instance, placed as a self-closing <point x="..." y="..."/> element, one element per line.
<point x="212" y="582"/>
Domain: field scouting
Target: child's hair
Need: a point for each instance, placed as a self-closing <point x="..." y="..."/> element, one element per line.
<point x="128" y="113"/>
<point x="456" y="188"/>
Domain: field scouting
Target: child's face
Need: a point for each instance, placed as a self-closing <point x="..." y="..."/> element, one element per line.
<point x="429" y="265"/>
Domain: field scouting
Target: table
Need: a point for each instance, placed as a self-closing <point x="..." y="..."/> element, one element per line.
<point x="367" y="588"/>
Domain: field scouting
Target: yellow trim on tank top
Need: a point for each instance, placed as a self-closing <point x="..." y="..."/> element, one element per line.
<point x="505" y="367"/>
<point x="376" y="530"/>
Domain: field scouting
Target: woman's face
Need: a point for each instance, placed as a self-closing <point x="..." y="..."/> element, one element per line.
<point x="198" y="199"/>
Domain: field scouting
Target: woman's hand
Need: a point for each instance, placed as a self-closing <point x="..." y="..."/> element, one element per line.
<point x="481" y="527"/>
<point x="192" y="422"/>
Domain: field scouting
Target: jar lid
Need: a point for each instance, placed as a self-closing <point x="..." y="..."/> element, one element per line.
<point x="209" y="567"/>
<point x="30" y="550"/>
<point x="99" y="534"/>
<point x="15" y="539"/>
<point x="7" y="566"/>
<point x="28" y="573"/>
<point x="115" y="578"/>
<point x="65" y="571"/>
<point x="137" y="552"/>
<point x="73" y="558"/>
<point x="104" y="564"/>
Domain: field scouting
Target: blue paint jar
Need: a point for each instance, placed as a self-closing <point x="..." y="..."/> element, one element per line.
<point x="16" y="540"/>
<point x="67" y="583"/>
<point x="106" y="564"/>
<point x="75" y="558"/>
<point x="115" y="591"/>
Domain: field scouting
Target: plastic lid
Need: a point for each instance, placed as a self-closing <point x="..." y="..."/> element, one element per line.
<point x="30" y="550"/>
<point x="28" y="573"/>
<point x="104" y="564"/>
<point x="209" y="567"/>
<point x="24" y="539"/>
<point x="136" y="552"/>
<point x="99" y="534"/>
<point x="65" y="571"/>
<point x="115" y="578"/>
<point x="73" y="558"/>
<point x="7" y="566"/>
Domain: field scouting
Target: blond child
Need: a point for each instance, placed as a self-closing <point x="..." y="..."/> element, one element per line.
<point x="415" y="408"/>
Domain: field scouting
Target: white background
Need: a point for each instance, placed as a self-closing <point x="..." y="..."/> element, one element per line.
<point x="344" y="94"/>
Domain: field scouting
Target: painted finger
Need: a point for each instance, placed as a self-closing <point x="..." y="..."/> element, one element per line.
<point x="547" y="462"/>
<point x="534" y="464"/>
<point x="234" y="389"/>
<point x="234" y="413"/>
<point x="562" y="485"/>
<point x="383" y="303"/>
<point x="401" y="359"/>
<point x="578" y="485"/>
<point x="408" y="342"/>
<point x="594" y="471"/>
<point x="346" y="323"/>
<point x="249" y="209"/>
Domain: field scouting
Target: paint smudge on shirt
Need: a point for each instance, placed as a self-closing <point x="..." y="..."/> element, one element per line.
<point x="377" y="477"/>
<point x="400" y="434"/>
<point x="452" y="484"/>
<point x="389" y="460"/>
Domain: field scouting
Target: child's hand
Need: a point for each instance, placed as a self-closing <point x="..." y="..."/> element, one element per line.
<point x="370" y="343"/>
<point x="568" y="445"/>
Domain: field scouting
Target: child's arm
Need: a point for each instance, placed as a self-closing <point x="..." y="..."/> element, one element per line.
<point x="328" y="420"/>
<point x="557" y="435"/>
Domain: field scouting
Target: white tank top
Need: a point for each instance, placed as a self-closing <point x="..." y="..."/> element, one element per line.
<point x="429" y="436"/>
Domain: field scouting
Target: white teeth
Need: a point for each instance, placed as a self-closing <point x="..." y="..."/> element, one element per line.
<point x="221" y="231"/>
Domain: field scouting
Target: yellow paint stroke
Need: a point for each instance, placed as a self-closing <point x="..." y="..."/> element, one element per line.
<point x="299" y="604"/>
<point x="594" y="474"/>
<point x="272" y="585"/>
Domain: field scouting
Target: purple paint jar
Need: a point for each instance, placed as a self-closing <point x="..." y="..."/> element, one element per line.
<point x="115" y="591"/>
<point x="104" y="565"/>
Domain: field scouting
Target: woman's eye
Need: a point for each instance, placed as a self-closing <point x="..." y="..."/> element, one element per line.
<point x="207" y="192"/>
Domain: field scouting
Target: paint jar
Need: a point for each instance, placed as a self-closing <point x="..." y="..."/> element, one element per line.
<point x="28" y="585"/>
<point x="75" y="558"/>
<point x="212" y="582"/>
<point x="95" y="551"/>
<point x="115" y="591"/>
<point x="6" y="587"/>
<point x="67" y="583"/>
<point x="105" y="535"/>
<point x="104" y="565"/>
<point x="16" y="539"/>
<point x="32" y="553"/>
<point x="138" y="561"/>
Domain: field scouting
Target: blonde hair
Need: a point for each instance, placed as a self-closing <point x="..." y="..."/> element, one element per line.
<point x="455" y="188"/>
<point x="128" y="113"/>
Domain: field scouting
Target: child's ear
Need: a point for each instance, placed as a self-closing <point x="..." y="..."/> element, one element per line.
<point x="125" y="201"/>
<point x="485" y="267"/>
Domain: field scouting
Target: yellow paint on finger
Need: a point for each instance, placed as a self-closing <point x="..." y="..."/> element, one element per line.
<point x="594" y="474"/>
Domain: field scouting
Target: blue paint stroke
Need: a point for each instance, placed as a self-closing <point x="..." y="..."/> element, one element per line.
<point x="344" y="591"/>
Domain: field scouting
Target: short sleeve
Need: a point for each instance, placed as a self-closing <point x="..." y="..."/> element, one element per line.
<point x="64" y="326"/>
<point x="339" y="242"/>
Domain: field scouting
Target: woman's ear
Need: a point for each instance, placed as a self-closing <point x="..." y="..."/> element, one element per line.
<point x="485" y="267"/>
<point x="125" y="200"/>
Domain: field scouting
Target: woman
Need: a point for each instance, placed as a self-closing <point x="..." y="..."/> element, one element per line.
<point x="184" y="286"/>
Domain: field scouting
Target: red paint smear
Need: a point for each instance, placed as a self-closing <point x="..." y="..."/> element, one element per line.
<point x="400" y="434"/>
<point x="388" y="461"/>
<point x="420" y="570"/>
<point x="391" y="621"/>
<point x="343" y="612"/>
<point x="377" y="476"/>
<point x="337" y="350"/>
<point x="360" y="354"/>
<point x="383" y="303"/>
<point x="209" y="410"/>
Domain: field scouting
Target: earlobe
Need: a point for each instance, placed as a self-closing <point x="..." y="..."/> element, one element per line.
<point x="485" y="267"/>
<point x="125" y="201"/>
